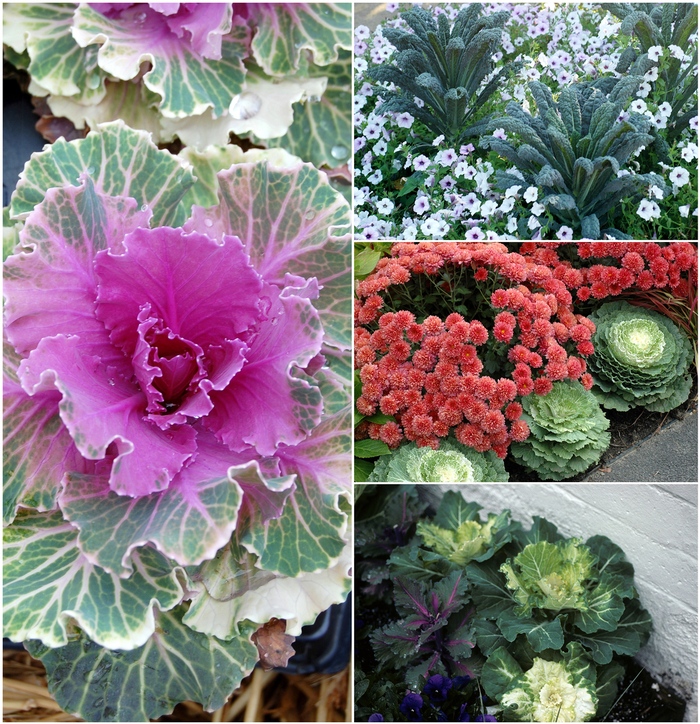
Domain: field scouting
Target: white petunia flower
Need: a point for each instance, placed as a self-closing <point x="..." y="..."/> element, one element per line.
<point x="655" y="52"/>
<point x="684" y="210"/>
<point x="537" y="209"/>
<point x="530" y="194"/>
<point x="676" y="52"/>
<point x="656" y="192"/>
<point x="690" y="152"/>
<point x="679" y="176"/>
<point x="404" y="120"/>
<point x="385" y="206"/>
<point x="648" y="210"/>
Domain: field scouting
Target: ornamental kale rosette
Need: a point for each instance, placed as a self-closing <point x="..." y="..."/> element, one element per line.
<point x="176" y="419"/>
<point x="277" y="71"/>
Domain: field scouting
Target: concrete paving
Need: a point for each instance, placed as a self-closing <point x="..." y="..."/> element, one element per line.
<point x="669" y="455"/>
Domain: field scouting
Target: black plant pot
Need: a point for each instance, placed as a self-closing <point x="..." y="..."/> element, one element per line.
<point x="324" y="646"/>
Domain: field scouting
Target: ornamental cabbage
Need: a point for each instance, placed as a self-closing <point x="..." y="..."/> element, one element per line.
<point x="568" y="432"/>
<point x="641" y="359"/>
<point x="198" y="71"/>
<point x="549" y="691"/>
<point x="452" y="463"/>
<point x="176" y="419"/>
<point x="556" y="592"/>
<point x="455" y="537"/>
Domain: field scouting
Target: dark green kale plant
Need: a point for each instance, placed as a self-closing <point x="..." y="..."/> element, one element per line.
<point x="573" y="150"/>
<point x="445" y="68"/>
<point x="662" y="26"/>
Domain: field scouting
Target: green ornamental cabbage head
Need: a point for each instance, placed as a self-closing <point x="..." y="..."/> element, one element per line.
<point x="573" y="150"/>
<point x="550" y="691"/>
<point x="568" y="432"/>
<point x="452" y="463"/>
<point x="550" y="575"/>
<point x="462" y="545"/>
<point x="641" y="359"/>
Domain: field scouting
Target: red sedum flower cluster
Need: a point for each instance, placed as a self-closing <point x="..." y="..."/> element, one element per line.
<point x="428" y="375"/>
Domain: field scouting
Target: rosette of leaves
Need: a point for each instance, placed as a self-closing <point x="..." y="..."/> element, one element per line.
<point x="559" y="689"/>
<point x="433" y="632"/>
<point x="452" y="463"/>
<point x="195" y="71"/>
<point x="157" y="512"/>
<point x="446" y="68"/>
<point x="663" y="25"/>
<point x="557" y="592"/>
<point x="455" y="537"/>
<point x="573" y="150"/>
<point x="568" y="432"/>
<point x="641" y="359"/>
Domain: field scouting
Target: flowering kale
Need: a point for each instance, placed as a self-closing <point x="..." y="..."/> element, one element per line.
<point x="549" y="691"/>
<point x="641" y="358"/>
<point x="569" y="432"/>
<point x="557" y="591"/>
<point x="452" y="463"/>
<point x="433" y="632"/>
<point x="211" y="69"/>
<point x="176" y="420"/>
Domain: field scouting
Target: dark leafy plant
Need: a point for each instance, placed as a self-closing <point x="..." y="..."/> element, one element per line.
<point x="573" y="149"/>
<point x="386" y="518"/>
<point x="663" y="25"/>
<point x="445" y="68"/>
<point x="434" y="630"/>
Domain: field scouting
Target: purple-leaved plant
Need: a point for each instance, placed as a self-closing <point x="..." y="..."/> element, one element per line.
<point x="434" y="631"/>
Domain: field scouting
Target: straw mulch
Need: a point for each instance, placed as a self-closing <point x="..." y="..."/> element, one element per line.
<point x="263" y="696"/>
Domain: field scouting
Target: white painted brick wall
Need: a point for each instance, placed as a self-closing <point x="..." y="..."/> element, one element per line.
<point x="656" y="526"/>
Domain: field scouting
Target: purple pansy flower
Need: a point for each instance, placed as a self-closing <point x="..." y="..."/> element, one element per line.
<point x="437" y="687"/>
<point x="411" y="705"/>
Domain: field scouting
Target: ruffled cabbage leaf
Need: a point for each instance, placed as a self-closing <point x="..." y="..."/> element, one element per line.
<point x="168" y="398"/>
<point x="198" y="71"/>
<point x="641" y="359"/>
<point x="568" y="432"/>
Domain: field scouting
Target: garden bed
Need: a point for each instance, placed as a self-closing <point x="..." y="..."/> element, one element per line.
<point x="406" y="552"/>
<point x="538" y="361"/>
<point x="488" y="148"/>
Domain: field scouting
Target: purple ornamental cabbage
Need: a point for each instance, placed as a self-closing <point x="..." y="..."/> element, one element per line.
<point x="176" y="421"/>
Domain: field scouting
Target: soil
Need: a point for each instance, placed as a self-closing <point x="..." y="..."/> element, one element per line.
<point x="641" y="696"/>
<point x="626" y="430"/>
